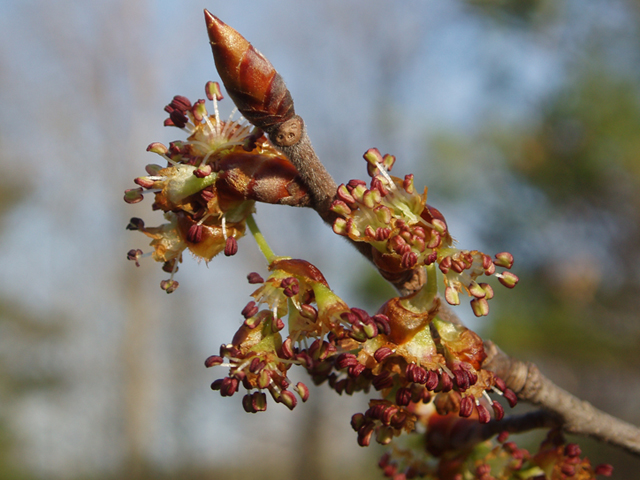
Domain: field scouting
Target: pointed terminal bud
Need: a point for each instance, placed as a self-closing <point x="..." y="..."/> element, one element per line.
<point x="504" y="259"/>
<point x="253" y="84"/>
<point x="508" y="279"/>
<point x="133" y="195"/>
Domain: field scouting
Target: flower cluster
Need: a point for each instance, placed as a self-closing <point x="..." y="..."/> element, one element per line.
<point x="405" y="233"/>
<point x="447" y="439"/>
<point x="405" y="351"/>
<point x="209" y="185"/>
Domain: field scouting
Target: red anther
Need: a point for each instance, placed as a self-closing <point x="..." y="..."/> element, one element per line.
<point x="288" y="399"/>
<point x="277" y="325"/>
<point x="511" y="397"/>
<point x="213" y="360"/>
<point x="303" y="391"/>
<point x="346" y="360"/>
<point x="504" y="259"/>
<point x="135" y="224"/>
<point x="254" y="366"/>
<point x="249" y="310"/>
<point x="384" y="460"/>
<point x="217" y="384"/>
<point x="355" y="183"/>
<point x="231" y="247"/>
<point x="604" y="469"/>
<point x="432" y="380"/>
<point x="446" y="384"/>
<point x="389" y="413"/>
<point x="568" y="470"/>
<point x="382" y="233"/>
<point x="382" y="353"/>
<point x="355" y="370"/>
<point x="462" y="379"/>
<point x="445" y="265"/>
<point x="382" y="322"/>
<point x="572" y="450"/>
<point x="203" y="172"/>
<point x="497" y="410"/>
<point x="500" y="384"/>
<point x="416" y="373"/>
<point x="503" y="436"/>
<point x="229" y="386"/>
<point x="287" y="349"/>
<point x="364" y="435"/>
<point x="247" y="404"/>
<point x="133" y="255"/>
<point x="254" y="277"/>
<point x="466" y="406"/>
<point x="180" y="103"/>
<point x="194" y="235"/>
<point x="403" y="397"/>
<point x="483" y="414"/>
<point x="307" y="361"/>
<point x="409" y="260"/>
<point x="357" y="421"/>
<point x="457" y="266"/>
<point x="382" y="381"/>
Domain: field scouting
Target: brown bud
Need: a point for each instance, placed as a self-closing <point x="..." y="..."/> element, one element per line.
<point x="253" y="84"/>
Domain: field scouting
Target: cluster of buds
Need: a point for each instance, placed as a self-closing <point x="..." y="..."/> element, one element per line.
<point x="405" y="233"/>
<point x="407" y="353"/>
<point x="210" y="184"/>
<point x="427" y="370"/>
<point x="447" y="440"/>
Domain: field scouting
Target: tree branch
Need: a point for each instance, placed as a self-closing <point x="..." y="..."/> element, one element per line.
<point x="560" y="408"/>
<point x="576" y="416"/>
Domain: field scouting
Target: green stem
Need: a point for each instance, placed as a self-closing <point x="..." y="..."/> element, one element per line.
<point x="264" y="247"/>
<point x="422" y="301"/>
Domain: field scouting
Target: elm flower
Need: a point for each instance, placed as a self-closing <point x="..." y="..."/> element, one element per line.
<point x="406" y="233"/>
<point x="210" y="183"/>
